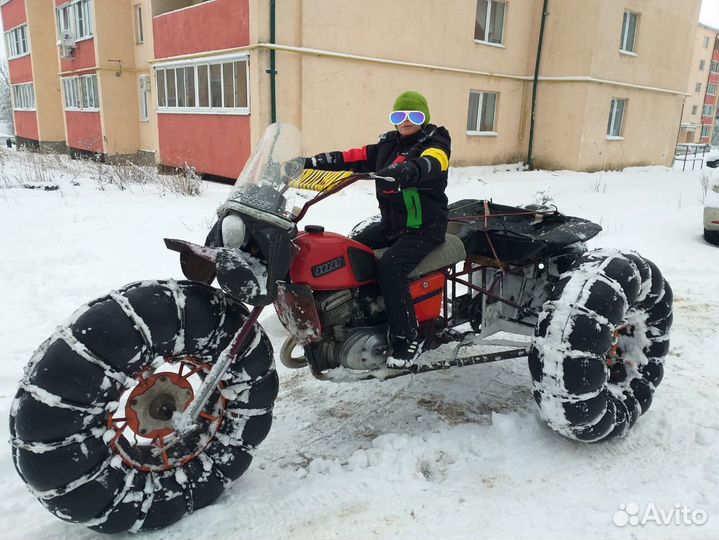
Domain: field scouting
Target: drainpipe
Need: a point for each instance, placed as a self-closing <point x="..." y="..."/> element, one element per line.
<point x="272" y="71"/>
<point x="530" y="155"/>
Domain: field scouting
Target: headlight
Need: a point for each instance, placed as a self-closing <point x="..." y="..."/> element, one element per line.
<point x="233" y="231"/>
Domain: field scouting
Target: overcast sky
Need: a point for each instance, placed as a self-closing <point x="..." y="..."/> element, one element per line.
<point x="709" y="15"/>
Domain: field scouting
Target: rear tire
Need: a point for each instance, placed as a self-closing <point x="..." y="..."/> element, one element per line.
<point x="68" y="440"/>
<point x="599" y="346"/>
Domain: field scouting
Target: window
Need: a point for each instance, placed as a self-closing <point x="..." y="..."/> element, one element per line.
<point x="161" y="88"/>
<point x="706" y="130"/>
<point x="707" y="110"/>
<point x="714" y="66"/>
<point x="698" y="88"/>
<point x="23" y="96"/>
<point x="3" y="2"/>
<point x="204" y="90"/>
<point x="616" y="118"/>
<point x="139" y="32"/>
<point x="694" y="109"/>
<point x="144" y="81"/>
<point x="629" y="32"/>
<point x="216" y="86"/>
<point x="16" y="42"/>
<point x="701" y="64"/>
<point x="482" y="112"/>
<point x="706" y="42"/>
<point x="81" y="93"/>
<point x="75" y="17"/>
<point x="489" y="21"/>
<point x="711" y="89"/>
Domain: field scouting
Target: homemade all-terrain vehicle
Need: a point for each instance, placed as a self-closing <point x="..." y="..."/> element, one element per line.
<point x="150" y="400"/>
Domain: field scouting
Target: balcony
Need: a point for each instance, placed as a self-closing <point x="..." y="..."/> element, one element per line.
<point x="160" y="7"/>
<point x="193" y="26"/>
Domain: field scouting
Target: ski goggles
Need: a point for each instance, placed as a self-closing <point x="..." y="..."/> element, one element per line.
<point x="397" y="117"/>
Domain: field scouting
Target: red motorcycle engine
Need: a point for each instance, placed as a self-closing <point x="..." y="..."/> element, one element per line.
<point x="342" y="275"/>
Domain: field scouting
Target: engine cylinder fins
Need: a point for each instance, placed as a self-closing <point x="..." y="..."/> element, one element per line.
<point x="63" y="435"/>
<point x="335" y="308"/>
<point x="596" y="356"/>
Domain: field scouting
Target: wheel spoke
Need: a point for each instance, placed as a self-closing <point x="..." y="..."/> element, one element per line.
<point x="161" y="445"/>
<point x="191" y="373"/>
<point x="118" y="434"/>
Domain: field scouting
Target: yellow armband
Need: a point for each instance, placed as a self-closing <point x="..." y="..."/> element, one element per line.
<point x="439" y="155"/>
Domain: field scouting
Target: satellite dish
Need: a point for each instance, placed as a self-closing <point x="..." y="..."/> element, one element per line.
<point x="67" y="38"/>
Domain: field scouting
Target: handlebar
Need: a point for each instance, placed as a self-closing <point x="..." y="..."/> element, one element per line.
<point x="339" y="187"/>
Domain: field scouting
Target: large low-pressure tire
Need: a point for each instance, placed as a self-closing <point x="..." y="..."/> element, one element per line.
<point x="599" y="345"/>
<point x="91" y="424"/>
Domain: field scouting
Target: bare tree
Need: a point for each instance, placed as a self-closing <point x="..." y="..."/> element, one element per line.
<point x="6" y="116"/>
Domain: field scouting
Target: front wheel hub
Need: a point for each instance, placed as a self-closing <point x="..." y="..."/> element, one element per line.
<point x="153" y="402"/>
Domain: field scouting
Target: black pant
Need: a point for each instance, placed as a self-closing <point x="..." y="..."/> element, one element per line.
<point x="403" y="254"/>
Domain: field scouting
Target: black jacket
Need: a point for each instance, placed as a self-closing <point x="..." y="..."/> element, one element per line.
<point x="416" y="200"/>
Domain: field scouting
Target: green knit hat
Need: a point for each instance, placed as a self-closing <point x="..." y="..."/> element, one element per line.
<point x="412" y="101"/>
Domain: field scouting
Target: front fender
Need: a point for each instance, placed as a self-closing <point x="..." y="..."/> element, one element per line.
<point x="239" y="274"/>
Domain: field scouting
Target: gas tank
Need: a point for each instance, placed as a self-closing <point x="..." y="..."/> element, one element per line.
<point x="329" y="261"/>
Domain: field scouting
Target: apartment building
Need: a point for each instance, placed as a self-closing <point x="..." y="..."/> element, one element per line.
<point x="33" y="72"/>
<point x="710" y="113"/>
<point x="196" y="82"/>
<point x="700" y="106"/>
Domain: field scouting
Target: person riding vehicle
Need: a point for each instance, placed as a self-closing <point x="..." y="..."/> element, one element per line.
<point x="410" y="165"/>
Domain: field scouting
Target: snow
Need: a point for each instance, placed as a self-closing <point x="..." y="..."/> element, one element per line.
<point x="460" y="453"/>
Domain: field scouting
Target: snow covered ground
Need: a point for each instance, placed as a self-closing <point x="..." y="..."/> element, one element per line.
<point x="456" y="454"/>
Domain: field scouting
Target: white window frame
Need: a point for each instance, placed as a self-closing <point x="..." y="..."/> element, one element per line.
<point x="478" y="120"/>
<point x="708" y="110"/>
<point x="698" y="88"/>
<point x="139" y="27"/>
<point x="80" y="93"/>
<point x="711" y="89"/>
<point x="626" y="21"/>
<point x="23" y="97"/>
<point x="706" y="128"/>
<point x="702" y="63"/>
<point x="17" y="42"/>
<point x="714" y="66"/>
<point x="161" y="71"/>
<point x="485" y="41"/>
<point x="3" y="2"/>
<point x="76" y="11"/>
<point x="618" y="133"/>
<point x="695" y="109"/>
<point x="706" y="42"/>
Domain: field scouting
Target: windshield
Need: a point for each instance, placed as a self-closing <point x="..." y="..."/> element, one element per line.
<point x="275" y="162"/>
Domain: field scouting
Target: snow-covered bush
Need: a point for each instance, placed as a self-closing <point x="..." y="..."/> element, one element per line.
<point x="186" y="182"/>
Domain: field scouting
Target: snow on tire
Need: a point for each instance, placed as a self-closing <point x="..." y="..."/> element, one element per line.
<point x="598" y="349"/>
<point x="91" y="423"/>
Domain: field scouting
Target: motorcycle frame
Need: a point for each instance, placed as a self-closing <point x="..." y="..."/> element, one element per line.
<point x="186" y="421"/>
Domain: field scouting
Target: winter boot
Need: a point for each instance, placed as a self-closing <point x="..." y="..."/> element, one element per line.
<point x="404" y="354"/>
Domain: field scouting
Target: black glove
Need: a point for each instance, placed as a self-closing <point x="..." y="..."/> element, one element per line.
<point x="292" y="168"/>
<point x="405" y="173"/>
<point x="323" y="160"/>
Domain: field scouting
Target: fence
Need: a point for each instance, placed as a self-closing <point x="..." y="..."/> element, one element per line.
<point x="686" y="152"/>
